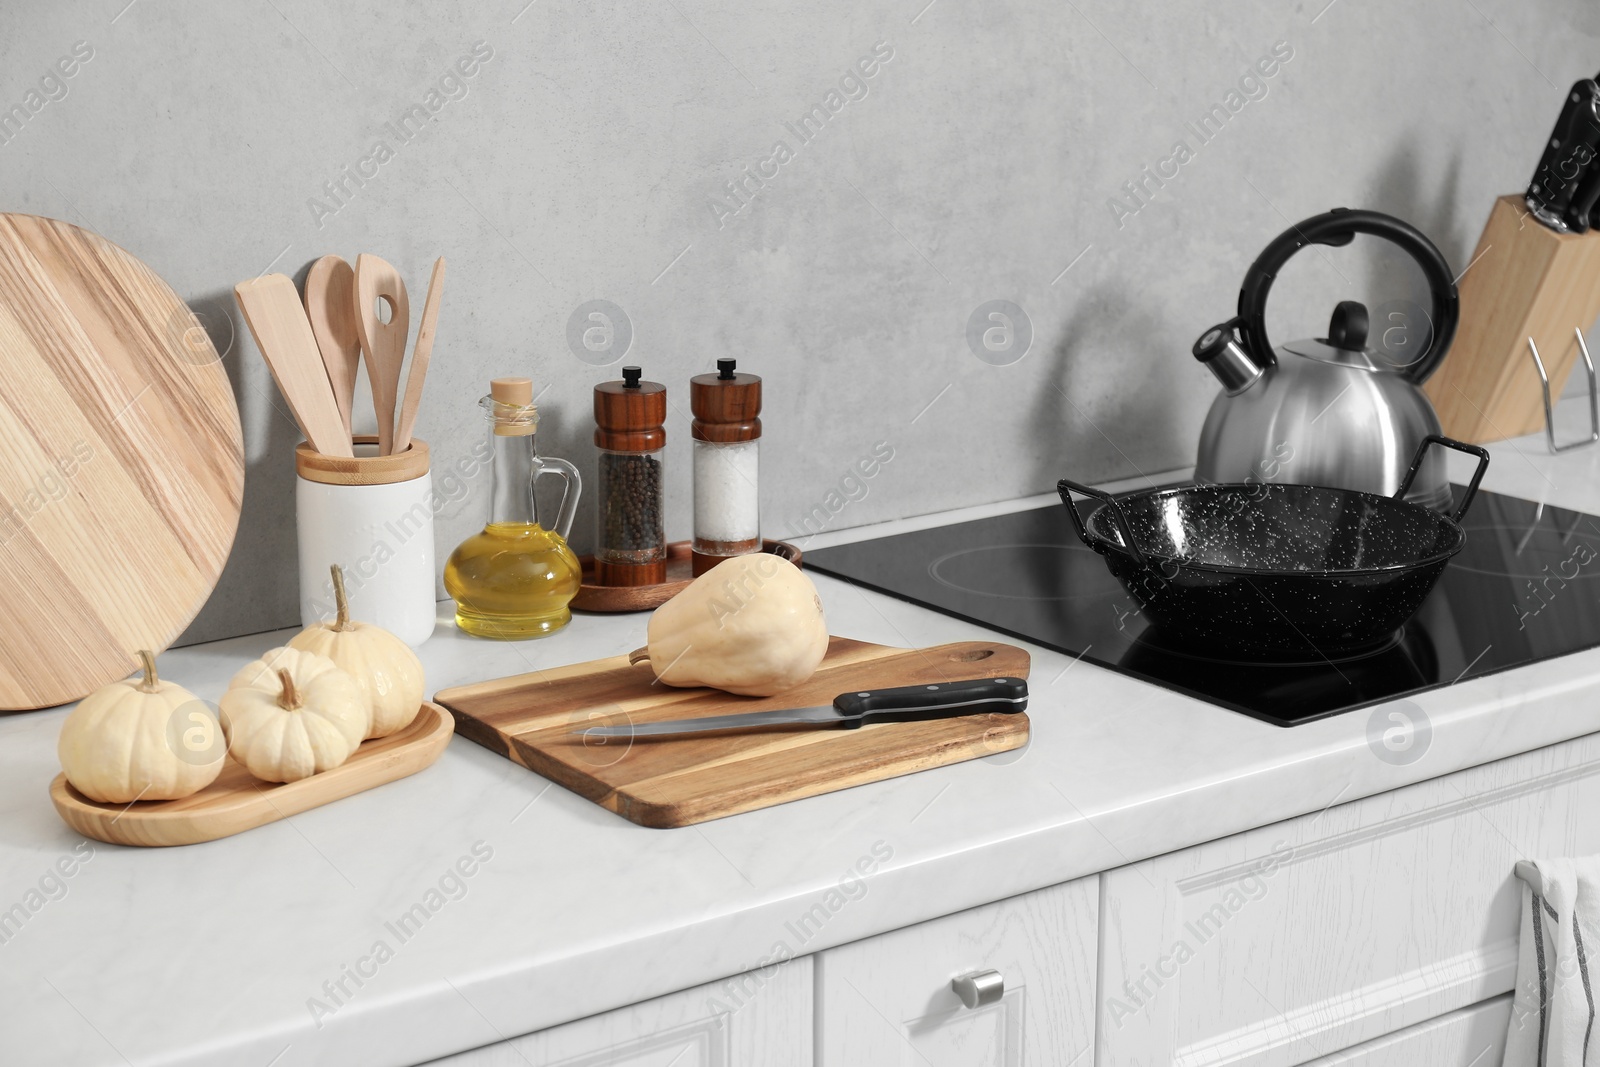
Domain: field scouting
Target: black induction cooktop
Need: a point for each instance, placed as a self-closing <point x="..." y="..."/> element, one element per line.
<point x="1525" y="588"/>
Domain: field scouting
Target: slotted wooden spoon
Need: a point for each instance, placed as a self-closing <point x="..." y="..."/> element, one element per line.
<point x="383" y="344"/>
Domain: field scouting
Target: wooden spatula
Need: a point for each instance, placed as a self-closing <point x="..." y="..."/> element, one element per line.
<point x="383" y="344"/>
<point x="331" y="307"/>
<point x="271" y="307"/>
<point x="419" y="358"/>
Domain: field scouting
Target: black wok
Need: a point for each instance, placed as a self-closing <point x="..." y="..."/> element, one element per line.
<point x="1274" y="571"/>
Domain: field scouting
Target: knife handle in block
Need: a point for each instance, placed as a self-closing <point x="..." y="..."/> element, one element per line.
<point x="1569" y="151"/>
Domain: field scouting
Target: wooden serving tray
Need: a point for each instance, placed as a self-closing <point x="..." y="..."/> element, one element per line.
<point x="678" y="781"/>
<point x="237" y="801"/>
<point x="616" y="598"/>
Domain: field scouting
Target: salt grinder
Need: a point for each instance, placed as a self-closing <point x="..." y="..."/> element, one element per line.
<point x="727" y="460"/>
<point x="629" y="417"/>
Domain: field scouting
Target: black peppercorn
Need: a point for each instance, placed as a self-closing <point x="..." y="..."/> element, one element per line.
<point x="630" y="502"/>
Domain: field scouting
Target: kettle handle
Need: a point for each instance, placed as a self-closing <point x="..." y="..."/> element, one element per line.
<point x="1339" y="227"/>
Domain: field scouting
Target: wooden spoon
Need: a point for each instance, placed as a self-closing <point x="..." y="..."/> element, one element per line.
<point x="331" y="305"/>
<point x="383" y="344"/>
<point x="420" y="357"/>
<point x="271" y="307"/>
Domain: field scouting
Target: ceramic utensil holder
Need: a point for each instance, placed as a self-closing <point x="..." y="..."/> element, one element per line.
<point x="372" y="515"/>
<point x="1524" y="280"/>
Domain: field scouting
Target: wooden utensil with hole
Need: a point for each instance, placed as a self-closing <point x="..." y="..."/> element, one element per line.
<point x="272" y="308"/>
<point x="383" y="344"/>
<point x="331" y="305"/>
<point x="420" y="357"/>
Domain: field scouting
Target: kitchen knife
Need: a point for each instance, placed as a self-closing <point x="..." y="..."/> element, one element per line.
<point x="909" y="703"/>
<point x="1567" y="155"/>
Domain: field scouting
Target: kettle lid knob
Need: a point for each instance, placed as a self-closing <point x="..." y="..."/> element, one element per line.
<point x="1348" y="327"/>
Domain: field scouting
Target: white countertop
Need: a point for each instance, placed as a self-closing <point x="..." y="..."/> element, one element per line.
<point x="209" y="954"/>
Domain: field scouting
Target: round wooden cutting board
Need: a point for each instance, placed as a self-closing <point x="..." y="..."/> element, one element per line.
<point x="121" y="463"/>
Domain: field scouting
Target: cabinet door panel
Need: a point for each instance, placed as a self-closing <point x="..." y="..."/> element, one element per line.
<point x="1294" y="941"/>
<point x="749" y="1019"/>
<point x="1471" y="1037"/>
<point x="887" y="1000"/>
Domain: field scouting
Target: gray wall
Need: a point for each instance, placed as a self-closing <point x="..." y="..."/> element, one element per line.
<point x="583" y="159"/>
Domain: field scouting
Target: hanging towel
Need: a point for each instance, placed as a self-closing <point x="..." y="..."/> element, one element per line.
<point x="1558" y="974"/>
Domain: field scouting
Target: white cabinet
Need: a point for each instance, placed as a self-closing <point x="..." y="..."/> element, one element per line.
<point x="1377" y="933"/>
<point x="1471" y="1037"/>
<point x="887" y="1000"/>
<point x="1305" y="938"/>
<point x="755" y="1019"/>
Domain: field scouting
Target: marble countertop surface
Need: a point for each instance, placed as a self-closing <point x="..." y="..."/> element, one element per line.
<point x="234" y="951"/>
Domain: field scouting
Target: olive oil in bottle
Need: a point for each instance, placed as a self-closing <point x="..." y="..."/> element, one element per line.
<point x="515" y="579"/>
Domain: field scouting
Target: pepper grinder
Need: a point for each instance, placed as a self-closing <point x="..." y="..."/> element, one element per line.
<point x="629" y="417"/>
<point x="727" y="461"/>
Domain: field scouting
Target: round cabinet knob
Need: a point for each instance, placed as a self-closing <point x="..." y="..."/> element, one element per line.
<point x="980" y="988"/>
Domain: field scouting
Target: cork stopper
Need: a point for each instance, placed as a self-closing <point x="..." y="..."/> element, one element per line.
<point x="514" y="391"/>
<point x="726" y="405"/>
<point x="510" y="405"/>
<point x="630" y="415"/>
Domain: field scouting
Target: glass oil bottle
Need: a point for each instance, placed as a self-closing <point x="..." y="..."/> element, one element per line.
<point x="515" y="579"/>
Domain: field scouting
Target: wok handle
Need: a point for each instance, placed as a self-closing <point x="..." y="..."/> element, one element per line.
<point x="1129" y="547"/>
<point x="1448" y="442"/>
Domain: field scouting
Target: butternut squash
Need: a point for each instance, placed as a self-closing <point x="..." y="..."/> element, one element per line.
<point x="751" y="625"/>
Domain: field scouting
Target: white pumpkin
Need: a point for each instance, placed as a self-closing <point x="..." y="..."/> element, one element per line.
<point x="291" y="714"/>
<point x="389" y="673"/>
<point x="141" y="739"/>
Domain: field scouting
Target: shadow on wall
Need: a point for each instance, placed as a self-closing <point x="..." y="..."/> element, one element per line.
<point x="1372" y="270"/>
<point x="1399" y="192"/>
<point x="1094" y="357"/>
<point x="239" y="605"/>
<point x="1585" y="17"/>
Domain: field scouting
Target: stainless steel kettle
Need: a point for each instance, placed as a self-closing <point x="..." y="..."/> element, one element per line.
<point x="1328" y="411"/>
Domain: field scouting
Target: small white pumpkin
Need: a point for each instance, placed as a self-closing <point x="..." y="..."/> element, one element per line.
<point x="291" y="714"/>
<point x="389" y="673"/>
<point x="141" y="739"/>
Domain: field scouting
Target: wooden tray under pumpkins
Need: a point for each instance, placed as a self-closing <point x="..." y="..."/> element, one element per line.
<point x="237" y="801"/>
<point x="533" y="720"/>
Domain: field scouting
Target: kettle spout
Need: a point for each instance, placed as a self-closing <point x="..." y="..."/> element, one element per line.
<point x="1219" y="349"/>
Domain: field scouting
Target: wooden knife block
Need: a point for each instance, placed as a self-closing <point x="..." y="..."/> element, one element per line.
<point x="1524" y="280"/>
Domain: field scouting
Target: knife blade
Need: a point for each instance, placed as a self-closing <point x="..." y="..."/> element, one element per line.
<point x="907" y="703"/>
<point x="1568" y="152"/>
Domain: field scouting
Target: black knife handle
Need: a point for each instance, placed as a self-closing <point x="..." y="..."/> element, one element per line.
<point x="912" y="703"/>
<point x="1567" y="154"/>
<point x="1580" y="213"/>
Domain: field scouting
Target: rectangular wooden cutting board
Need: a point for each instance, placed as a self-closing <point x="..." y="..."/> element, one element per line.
<point x="535" y="719"/>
